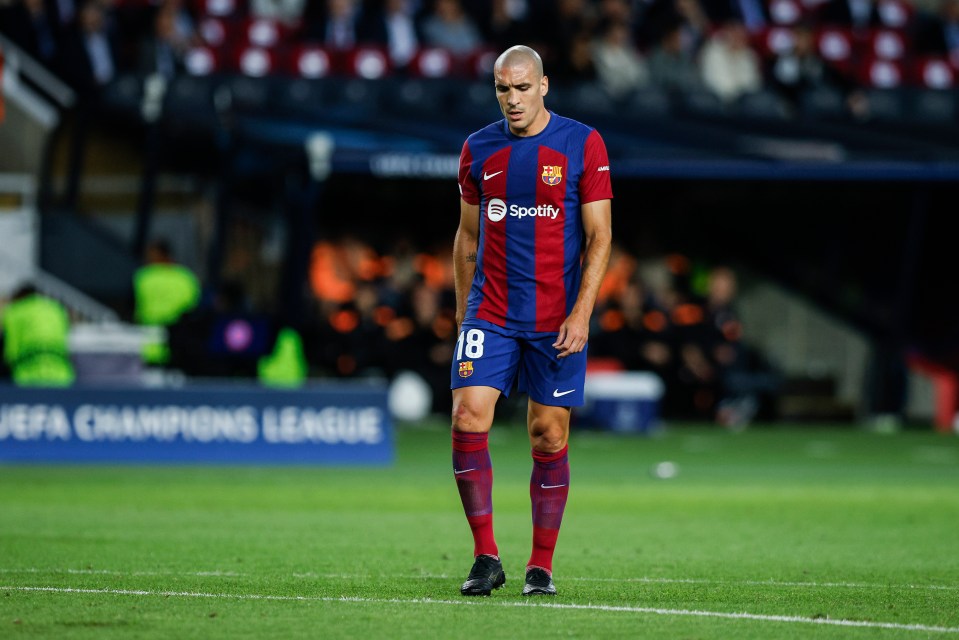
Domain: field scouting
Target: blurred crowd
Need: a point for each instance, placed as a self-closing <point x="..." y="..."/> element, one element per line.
<point x="382" y="313"/>
<point x="729" y="47"/>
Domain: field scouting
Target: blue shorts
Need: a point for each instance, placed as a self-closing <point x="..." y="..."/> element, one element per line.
<point x="490" y="356"/>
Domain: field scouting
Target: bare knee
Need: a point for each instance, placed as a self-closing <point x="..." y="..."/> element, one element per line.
<point x="548" y="434"/>
<point x="469" y="416"/>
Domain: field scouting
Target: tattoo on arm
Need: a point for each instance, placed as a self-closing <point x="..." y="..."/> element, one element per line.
<point x="471" y="257"/>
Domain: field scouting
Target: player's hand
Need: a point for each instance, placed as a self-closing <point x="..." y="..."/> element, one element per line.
<point x="572" y="337"/>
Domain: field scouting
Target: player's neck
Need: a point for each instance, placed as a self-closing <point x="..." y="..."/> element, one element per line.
<point x="535" y="127"/>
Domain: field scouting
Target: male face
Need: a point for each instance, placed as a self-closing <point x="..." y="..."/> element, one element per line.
<point x="520" y="91"/>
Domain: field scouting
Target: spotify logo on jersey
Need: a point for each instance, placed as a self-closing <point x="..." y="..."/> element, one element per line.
<point x="496" y="210"/>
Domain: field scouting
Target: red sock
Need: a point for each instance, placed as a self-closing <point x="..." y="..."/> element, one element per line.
<point x="548" y="490"/>
<point x="473" y="471"/>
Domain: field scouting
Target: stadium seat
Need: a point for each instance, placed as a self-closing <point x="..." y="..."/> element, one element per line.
<point x="835" y="46"/>
<point x="307" y="61"/>
<point x="250" y="94"/>
<point x="303" y="97"/>
<point x="932" y="106"/>
<point x="190" y="103"/>
<point x="419" y="96"/>
<point x="885" y="104"/>
<point x="895" y="14"/>
<point x="202" y="61"/>
<point x="123" y="94"/>
<point x="880" y="74"/>
<point x="785" y="12"/>
<point x="774" y="41"/>
<point x="648" y="101"/>
<point x="213" y="31"/>
<point x="934" y="73"/>
<point x="369" y="63"/>
<point x="432" y="62"/>
<point x="823" y="103"/>
<point x="762" y="105"/>
<point x="702" y="102"/>
<point x="255" y="62"/>
<point x="476" y="102"/>
<point x="220" y="8"/>
<point x="886" y="44"/>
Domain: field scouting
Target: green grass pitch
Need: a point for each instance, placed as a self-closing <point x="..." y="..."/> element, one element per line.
<point x="772" y="533"/>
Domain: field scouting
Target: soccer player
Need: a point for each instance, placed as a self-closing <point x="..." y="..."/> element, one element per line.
<point x="529" y="255"/>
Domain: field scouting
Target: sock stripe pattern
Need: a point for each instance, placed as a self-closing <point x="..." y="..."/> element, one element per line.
<point x="548" y="492"/>
<point x="473" y="470"/>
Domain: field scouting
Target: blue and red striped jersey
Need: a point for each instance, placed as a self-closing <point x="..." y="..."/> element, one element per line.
<point x="529" y="189"/>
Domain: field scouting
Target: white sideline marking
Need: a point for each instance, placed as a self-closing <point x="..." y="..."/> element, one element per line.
<point x="576" y="607"/>
<point x="443" y="576"/>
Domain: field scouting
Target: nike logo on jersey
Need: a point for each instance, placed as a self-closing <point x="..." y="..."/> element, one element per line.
<point x="487" y="176"/>
<point x="457" y="471"/>
<point x="559" y="394"/>
<point x="551" y="486"/>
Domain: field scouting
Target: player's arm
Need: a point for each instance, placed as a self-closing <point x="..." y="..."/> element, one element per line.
<point x="598" y="229"/>
<point x="465" y="245"/>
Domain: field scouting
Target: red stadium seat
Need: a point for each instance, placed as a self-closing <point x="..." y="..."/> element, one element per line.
<point x="213" y="31"/>
<point x="432" y="62"/>
<point x="835" y="45"/>
<point x="262" y="33"/>
<point x="369" y="63"/>
<point x="219" y="8"/>
<point x="310" y="61"/>
<point x="202" y="61"/>
<point x="774" y="41"/>
<point x="785" y="12"/>
<point x="934" y="73"/>
<point x="895" y="14"/>
<point x="881" y="74"/>
<point x="888" y="44"/>
<point x="479" y="64"/>
<point x="255" y="62"/>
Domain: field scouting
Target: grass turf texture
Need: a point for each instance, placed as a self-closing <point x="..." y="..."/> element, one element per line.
<point x="790" y="526"/>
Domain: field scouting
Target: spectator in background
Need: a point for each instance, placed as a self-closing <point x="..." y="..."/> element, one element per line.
<point x="336" y="24"/>
<point x="730" y="68"/>
<point x="620" y="68"/>
<point x="575" y="61"/>
<point x="162" y="292"/>
<point x="753" y="14"/>
<point x="162" y="52"/>
<point x="800" y="69"/>
<point x="395" y="27"/>
<point x="938" y="34"/>
<point x="507" y="23"/>
<point x="855" y="14"/>
<point x="672" y="63"/>
<point x="35" y="332"/>
<point x="635" y="330"/>
<point x="89" y="61"/>
<point x="289" y="12"/>
<point x="30" y="25"/>
<point x="747" y="382"/>
<point x="448" y="26"/>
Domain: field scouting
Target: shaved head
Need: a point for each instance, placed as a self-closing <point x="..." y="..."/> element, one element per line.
<point x="520" y="55"/>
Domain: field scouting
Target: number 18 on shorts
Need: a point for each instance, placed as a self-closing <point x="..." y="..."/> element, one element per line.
<point x="491" y="356"/>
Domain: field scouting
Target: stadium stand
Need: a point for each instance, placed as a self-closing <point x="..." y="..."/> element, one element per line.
<point x="244" y="93"/>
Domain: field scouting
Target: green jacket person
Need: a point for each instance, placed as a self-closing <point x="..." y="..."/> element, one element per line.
<point x="162" y="291"/>
<point x="35" y="332"/>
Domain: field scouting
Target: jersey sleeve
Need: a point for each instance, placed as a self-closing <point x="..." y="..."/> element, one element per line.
<point x="595" y="184"/>
<point x="467" y="184"/>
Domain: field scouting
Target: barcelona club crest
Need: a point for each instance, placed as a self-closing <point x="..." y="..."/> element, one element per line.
<point x="466" y="368"/>
<point x="552" y="175"/>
